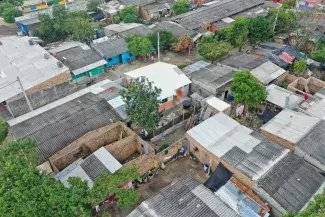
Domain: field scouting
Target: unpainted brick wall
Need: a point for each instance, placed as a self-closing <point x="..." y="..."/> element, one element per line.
<point x="53" y="81"/>
<point x="281" y="141"/>
<point x="124" y="148"/>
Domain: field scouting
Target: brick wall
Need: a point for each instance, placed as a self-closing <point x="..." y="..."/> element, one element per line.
<point x="122" y="149"/>
<point x="53" y="81"/>
<point x="281" y="141"/>
<point x="204" y="156"/>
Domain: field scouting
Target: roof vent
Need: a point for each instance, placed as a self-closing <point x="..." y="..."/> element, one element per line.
<point x="47" y="56"/>
<point x="1" y="43"/>
<point x="2" y="74"/>
<point x="31" y="42"/>
<point x="59" y="64"/>
<point x="64" y="59"/>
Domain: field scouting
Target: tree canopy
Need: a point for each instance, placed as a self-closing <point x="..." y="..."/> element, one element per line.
<point x="25" y="191"/>
<point x="246" y="89"/>
<point x="75" y="25"/>
<point x="142" y="103"/>
<point x="4" y="127"/>
<point x="9" y="12"/>
<point x="181" y="6"/>
<point x="139" y="45"/>
<point x="299" y="66"/>
<point x="183" y="43"/>
<point x="92" y="5"/>
<point x="237" y="32"/>
<point x="13" y="2"/>
<point x="211" y="49"/>
<point x="166" y="39"/>
<point x="285" y="21"/>
<point x="259" y="29"/>
<point x="319" y="55"/>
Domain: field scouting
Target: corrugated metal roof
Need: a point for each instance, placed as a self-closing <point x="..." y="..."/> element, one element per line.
<point x="290" y="125"/>
<point x="110" y="47"/>
<point x="166" y="76"/>
<point x="243" y="61"/>
<point x="56" y="128"/>
<point x="217" y="103"/>
<point x="267" y="72"/>
<point x="185" y="198"/>
<point x="291" y="182"/>
<point x="248" y="151"/>
<point x="315" y="106"/>
<point x="282" y="97"/>
<point x="175" y="28"/>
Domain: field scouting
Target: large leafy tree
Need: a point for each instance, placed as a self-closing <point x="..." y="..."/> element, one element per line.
<point x="181" y="6"/>
<point x="246" y="89"/>
<point x="211" y="49"/>
<point x="75" y="25"/>
<point x="183" y="43"/>
<point x="237" y="32"/>
<point x="3" y="129"/>
<point x="259" y="29"/>
<point x="9" y="14"/>
<point x="285" y="20"/>
<point x="299" y="66"/>
<point x="131" y="10"/>
<point x="166" y="39"/>
<point x="319" y="55"/>
<point x="139" y="45"/>
<point x="13" y="2"/>
<point x="142" y="102"/>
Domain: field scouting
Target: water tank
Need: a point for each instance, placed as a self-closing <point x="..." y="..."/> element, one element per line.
<point x="59" y="64"/>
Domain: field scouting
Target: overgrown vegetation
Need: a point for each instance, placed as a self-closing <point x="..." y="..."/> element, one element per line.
<point x="139" y="45"/>
<point x="237" y="32"/>
<point x="76" y="25"/>
<point x="184" y="43"/>
<point x="166" y="39"/>
<point x="247" y="90"/>
<point x="128" y="15"/>
<point x="4" y="128"/>
<point x="259" y="30"/>
<point x="211" y="49"/>
<point x="285" y="20"/>
<point x="142" y="103"/>
<point x="24" y="191"/>
<point x="181" y="6"/>
<point x="299" y="66"/>
<point x="9" y="11"/>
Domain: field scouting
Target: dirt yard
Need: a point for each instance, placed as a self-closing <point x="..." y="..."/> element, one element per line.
<point x="169" y="57"/>
<point x="7" y="29"/>
<point x="173" y="172"/>
<point x="171" y="138"/>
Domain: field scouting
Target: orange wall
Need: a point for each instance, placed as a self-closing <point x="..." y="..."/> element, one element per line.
<point x="166" y="105"/>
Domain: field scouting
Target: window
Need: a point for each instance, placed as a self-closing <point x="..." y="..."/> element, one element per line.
<point x="164" y="100"/>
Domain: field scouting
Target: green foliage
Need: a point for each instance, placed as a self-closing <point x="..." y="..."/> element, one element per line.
<point x="101" y="25"/>
<point x="181" y="6"/>
<point x="92" y="5"/>
<point x="246" y="89"/>
<point x="130" y="18"/>
<point x="237" y="32"/>
<point x="5" y="5"/>
<point x="131" y="10"/>
<point x="142" y="103"/>
<point x="211" y="49"/>
<point x="116" y="19"/>
<point x="3" y="129"/>
<point x="9" y="14"/>
<point x="163" y="147"/>
<point x="166" y="39"/>
<point x="259" y="29"/>
<point x="75" y="25"/>
<point x="183" y="43"/>
<point x="319" y="55"/>
<point x="139" y="45"/>
<point x="114" y="183"/>
<point x="288" y="4"/>
<point x="285" y="22"/>
<point x="12" y="2"/>
<point x="300" y="66"/>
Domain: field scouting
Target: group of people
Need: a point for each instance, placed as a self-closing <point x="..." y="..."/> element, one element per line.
<point x="110" y="199"/>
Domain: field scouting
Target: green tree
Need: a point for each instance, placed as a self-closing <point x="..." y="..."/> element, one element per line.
<point x="285" y="21"/>
<point x="3" y="129"/>
<point x="319" y="55"/>
<point x="92" y="5"/>
<point x="13" y="2"/>
<point x="259" y="29"/>
<point x="183" y="43"/>
<point x="80" y="29"/>
<point x="181" y="6"/>
<point x="4" y="5"/>
<point x="131" y="10"/>
<point x="166" y="39"/>
<point x="130" y="18"/>
<point x="139" y="45"/>
<point x="237" y="32"/>
<point x="10" y="13"/>
<point x="247" y="90"/>
<point x="142" y="102"/>
<point x="116" y="19"/>
<point x="300" y="66"/>
<point x="211" y="49"/>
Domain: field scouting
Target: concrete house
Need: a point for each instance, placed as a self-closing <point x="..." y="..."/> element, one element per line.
<point x="125" y="30"/>
<point x="176" y="29"/>
<point x="81" y="60"/>
<point x="156" y="10"/>
<point x="210" y="79"/>
<point x="114" y="51"/>
<point x="22" y="57"/>
<point x="247" y="154"/>
<point x="173" y="83"/>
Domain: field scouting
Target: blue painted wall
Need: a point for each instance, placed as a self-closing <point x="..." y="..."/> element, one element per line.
<point x="127" y="55"/>
<point x="23" y="28"/>
<point x="113" y="61"/>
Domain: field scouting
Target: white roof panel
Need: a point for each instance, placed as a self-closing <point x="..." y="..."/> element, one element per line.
<point x="267" y="72"/>
<point x="217" y="103"/>
<point x="282" y="97"/>
<point x="166" y="76"/>
<point x="108" y="160"/>
<point x="290" y="125"/>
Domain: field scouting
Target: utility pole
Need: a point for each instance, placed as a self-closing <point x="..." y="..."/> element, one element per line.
<point x="276" y="19"/>
<point x="158" y="47"/>
<point x="25" y="95"/>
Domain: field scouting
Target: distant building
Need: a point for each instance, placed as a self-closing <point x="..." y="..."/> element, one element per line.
<point x="22" y="57"/>
<point x="169" y="78"/>
<point x="176" y="29"/>
<point x="81" y="60"/>
<point x="156" y="10"/>
<point x="114" y="51"/>
<point x="126" y="30"/>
